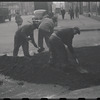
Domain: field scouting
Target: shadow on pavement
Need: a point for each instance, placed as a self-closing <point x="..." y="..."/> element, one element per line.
<point x="36" y="70"/>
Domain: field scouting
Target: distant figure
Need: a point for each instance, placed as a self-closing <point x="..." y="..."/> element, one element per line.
<point x="77" y="12"/>
<point x="22" y="36"/>
<point x="71" y="12"/>
<point x="63" y="13"/>
<point x="18" y="19"/>
<point x="9" y="15"/>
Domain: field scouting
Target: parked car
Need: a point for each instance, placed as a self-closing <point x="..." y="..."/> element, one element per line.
<point x="39" y="14"/>
<point x="4" y="14"/>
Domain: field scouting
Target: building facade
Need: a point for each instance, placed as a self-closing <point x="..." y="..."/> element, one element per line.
<point x="85" y="7"/>
<point x="22" y="7"/>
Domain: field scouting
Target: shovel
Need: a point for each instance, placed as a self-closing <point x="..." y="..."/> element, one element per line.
<point x="79" y="68"/>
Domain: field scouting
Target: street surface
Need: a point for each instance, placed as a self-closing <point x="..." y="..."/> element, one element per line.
<point x="14" y="89"/>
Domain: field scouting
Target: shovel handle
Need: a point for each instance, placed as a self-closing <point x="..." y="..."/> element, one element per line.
<point x="29" y="22"/>
<point x="77" y="61"/>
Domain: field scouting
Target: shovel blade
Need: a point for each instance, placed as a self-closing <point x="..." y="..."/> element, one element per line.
<point x="81" y="70"/>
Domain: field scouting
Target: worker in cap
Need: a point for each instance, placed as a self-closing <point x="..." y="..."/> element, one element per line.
<point x="22" y="36"/>
<point x="57" y="42"/>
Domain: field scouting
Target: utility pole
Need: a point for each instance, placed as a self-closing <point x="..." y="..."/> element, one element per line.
<point x="81" y="7"/>
<point x="88" y="6"/>
<point x="99" y="9"/>
<point x="72" y="5"/>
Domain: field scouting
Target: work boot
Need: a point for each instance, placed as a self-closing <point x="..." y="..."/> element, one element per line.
<point x="40" y="50"/>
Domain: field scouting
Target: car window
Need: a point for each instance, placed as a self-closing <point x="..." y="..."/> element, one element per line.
<point x="39" y="13"/>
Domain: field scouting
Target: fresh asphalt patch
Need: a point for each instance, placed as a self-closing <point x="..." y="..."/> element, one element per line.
<point x="36" y="69"/>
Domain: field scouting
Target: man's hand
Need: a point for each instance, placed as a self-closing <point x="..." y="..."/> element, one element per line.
<point x="34" y="43"/>
<point x="28" y="39"/>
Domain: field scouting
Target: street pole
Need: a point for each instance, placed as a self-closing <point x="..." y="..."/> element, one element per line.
<point x="72" y="6"/>
<point x="80" y="7"/>
<point x="99" y="9"/>
<point x="91" y="8"/>
<point x="96" y="8"/>
<point x="88" y="6"/>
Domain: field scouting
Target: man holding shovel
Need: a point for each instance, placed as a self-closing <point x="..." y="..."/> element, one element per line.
<point x="57" y="42"/>
<point x="22" y="36"/>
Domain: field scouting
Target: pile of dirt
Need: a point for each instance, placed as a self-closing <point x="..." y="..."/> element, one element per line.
<point x="36" y="69"/>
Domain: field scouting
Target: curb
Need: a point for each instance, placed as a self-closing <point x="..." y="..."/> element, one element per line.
<point x="90" y="29"/>
<point x="98" y="29"/>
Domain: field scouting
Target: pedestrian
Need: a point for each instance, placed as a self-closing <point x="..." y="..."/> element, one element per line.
<point x="18" y="19"/>
<point x="71" y="12"/>
<point x="10" y="15"/>
<point x="22" y="36"/>
<point x="44" y="31"/>
<point x="63" y="13"/>
<point x="57" y="42"/>
<point x="77" y="12"/>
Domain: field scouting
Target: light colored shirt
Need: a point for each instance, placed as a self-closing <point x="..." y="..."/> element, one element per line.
<point x="47" y="25"/>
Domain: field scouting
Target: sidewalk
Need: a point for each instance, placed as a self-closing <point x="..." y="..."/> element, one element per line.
<point x="84" y="23"/>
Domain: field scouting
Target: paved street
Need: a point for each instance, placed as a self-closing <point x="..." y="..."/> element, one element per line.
<point x="83" y="22"/>
<point x="8" y="30"/>
<point x="11" y="88"/>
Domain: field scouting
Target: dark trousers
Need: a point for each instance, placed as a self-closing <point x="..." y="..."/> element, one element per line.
<point x="18" y="41"/>
<point x="63" y="15"/>
<point x="71" y="16"/>
<point x="42" y="34"/>
<point x="58" y="52"/>
<point x="77" y="15"/>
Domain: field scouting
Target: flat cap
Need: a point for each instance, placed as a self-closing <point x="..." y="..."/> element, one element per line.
<point x="77" y="30"/>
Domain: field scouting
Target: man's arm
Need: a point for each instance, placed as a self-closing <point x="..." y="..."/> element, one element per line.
<point x="24" y="35"/>
<point x="32" y="40"/>
<point x="71" y="49"/>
